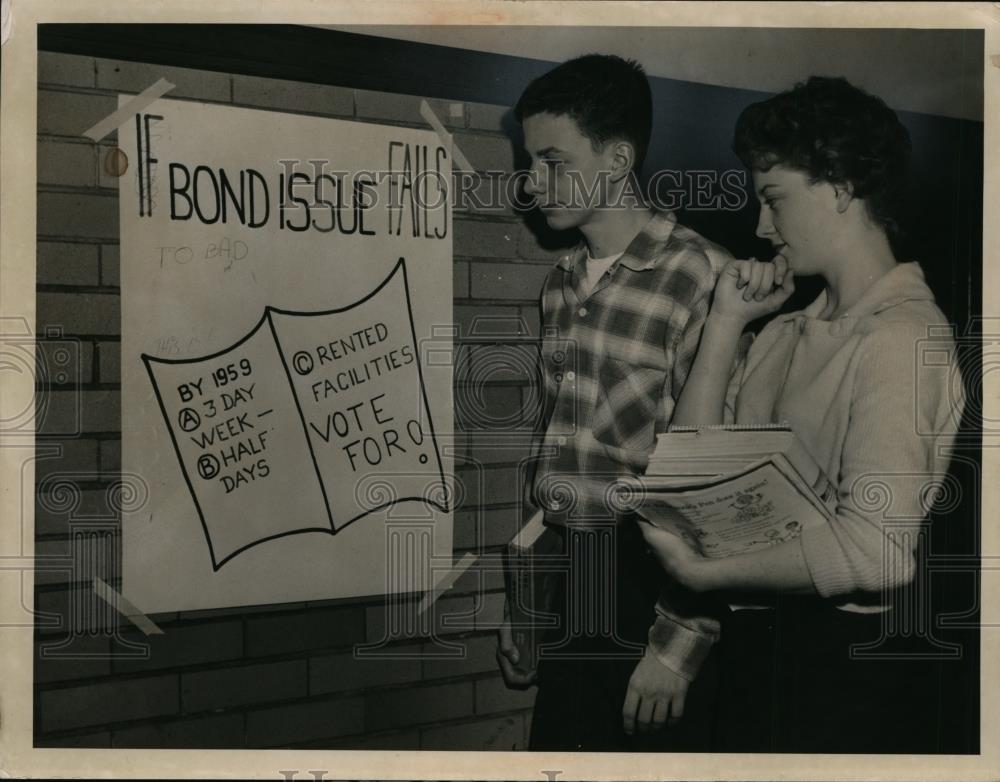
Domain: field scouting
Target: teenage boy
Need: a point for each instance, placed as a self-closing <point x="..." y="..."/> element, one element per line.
<point x="623" y="315"/>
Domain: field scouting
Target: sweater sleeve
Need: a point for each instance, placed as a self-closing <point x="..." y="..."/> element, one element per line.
<point x="736" y="378"/>
<point x="902" y="421"/>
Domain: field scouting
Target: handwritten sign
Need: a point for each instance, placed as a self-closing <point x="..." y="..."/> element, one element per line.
<point x="279" y="275"/>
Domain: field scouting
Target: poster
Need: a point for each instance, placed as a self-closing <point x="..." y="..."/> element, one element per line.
<point x="280" y="274"/>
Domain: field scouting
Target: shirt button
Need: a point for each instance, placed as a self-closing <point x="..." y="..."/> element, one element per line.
<point x="571" y="375"/>
<point x="561" y="440"/>
<point x="582" y="311"/>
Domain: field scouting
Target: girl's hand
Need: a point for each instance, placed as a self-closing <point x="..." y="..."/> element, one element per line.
<point x="751" y="289"/>
<point x="681" y="561"/>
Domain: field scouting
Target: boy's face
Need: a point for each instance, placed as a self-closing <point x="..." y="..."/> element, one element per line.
<point x="568" y="178"/>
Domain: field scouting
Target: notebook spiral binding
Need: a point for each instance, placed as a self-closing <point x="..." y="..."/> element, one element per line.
<point x="729" y="427"/>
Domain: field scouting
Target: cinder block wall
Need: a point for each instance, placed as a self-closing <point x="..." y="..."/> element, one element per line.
<point x="259" y="676"/>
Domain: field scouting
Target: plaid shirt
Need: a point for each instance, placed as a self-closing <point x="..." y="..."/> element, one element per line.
<point x="615" y="362"/>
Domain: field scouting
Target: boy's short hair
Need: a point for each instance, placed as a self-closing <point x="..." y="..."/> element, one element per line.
<point x="608" y="98"/>
<point x="835" y="132"/>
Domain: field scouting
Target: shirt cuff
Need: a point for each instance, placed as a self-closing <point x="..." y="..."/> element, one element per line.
<point x="679" y="648"/>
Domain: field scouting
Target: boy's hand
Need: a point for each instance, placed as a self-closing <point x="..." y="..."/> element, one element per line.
<point x="751" y="289"/>
<point x="507" y="656"/>
<point x="655" y="697"/>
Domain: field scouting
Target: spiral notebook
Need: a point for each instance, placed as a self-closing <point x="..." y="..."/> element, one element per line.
<point x="734" y="489"/>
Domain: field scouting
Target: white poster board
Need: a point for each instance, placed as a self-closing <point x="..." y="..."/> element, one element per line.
<point x="281" y="277"/>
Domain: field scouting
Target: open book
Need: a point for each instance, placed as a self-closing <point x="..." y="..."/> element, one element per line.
<point x="730" y="490"/>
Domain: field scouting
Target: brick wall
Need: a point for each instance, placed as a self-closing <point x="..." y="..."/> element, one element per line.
<point x="260" y="676"/>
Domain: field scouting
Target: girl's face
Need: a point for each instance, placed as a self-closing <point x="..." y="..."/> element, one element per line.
<point x="799" y="218"/>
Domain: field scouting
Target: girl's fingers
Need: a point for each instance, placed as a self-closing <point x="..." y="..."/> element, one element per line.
<point x="780" y="269"/>
<point x="766" y="282"/>
<point x="738" y="271"/>
<point x="788" y="284"/>
<point x="746" y="268"/>
<point x="753" y="286"/>
<point x="746" y="272"/>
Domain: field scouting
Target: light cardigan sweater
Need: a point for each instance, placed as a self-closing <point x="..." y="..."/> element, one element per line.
<point x="876" y="399"/>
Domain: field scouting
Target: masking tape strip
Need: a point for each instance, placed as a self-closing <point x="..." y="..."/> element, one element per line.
<point x="113" y="598"/>
<point x="6" y="20"/>
<point x="123" y="114"/>
<point x="446" y="582"/>
<point x="446" y="138"/>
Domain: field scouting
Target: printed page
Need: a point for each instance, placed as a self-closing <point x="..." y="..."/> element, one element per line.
<point x="742" y="513"/>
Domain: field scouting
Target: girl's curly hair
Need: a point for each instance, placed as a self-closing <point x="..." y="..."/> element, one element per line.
<point x="837" y="133"/>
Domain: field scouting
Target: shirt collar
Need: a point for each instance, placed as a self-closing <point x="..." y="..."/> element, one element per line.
<point x="643" y="252"/>
<point x="904" y="282"/>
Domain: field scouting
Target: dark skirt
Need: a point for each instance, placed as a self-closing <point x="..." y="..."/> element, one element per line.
<point x="808" y="677"/>
<point x="802" y="676"/>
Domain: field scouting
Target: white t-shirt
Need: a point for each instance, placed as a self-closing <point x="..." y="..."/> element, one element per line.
<point x="594" y="269"/>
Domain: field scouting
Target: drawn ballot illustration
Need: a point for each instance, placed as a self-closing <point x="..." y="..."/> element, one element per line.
<point x="309" y="411"/>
